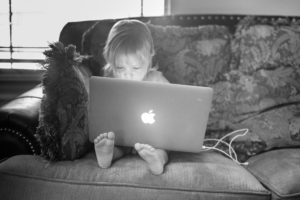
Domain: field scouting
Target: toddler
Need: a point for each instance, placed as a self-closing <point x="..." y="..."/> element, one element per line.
<point x="128" y="53"/>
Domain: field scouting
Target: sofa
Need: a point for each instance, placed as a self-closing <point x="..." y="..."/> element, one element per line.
<point x="251" y="62"/>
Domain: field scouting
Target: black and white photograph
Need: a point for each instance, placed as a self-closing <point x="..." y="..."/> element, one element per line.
<point x="150" y="99"/>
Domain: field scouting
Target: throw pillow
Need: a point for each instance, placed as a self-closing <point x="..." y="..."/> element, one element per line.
<point x="63" y="126"/>
<point x="262" y="92"/>
<point x="260" y="44"/>
<point x="191" y="55"/>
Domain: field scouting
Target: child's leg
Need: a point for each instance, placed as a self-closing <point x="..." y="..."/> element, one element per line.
<point x="105" y="149"/>
<point x="156" y="158"/>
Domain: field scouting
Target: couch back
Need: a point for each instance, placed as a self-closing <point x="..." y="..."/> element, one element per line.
<point x="89" y="36"/>
<point x="72" y="32"/>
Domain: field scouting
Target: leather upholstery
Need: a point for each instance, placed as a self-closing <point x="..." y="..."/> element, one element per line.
<point x="18" y="121"/>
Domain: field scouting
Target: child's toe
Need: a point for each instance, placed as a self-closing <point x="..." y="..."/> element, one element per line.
<point x="104" y="135"/>
<point x="137" y="146"/>
<point x="111" y="135"/>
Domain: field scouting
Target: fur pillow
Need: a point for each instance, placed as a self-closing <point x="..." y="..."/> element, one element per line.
<point x="63" y="124"/>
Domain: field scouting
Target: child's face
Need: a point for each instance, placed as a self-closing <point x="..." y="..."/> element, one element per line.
<point x="131" y="67"/>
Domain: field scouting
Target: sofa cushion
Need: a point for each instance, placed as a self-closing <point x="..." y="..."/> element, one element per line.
<point x="278" y="170"/>
<point x="261" y="45"/>
<point x="191" y="55"/>
<point x="272" y="115"/>
<point x="262" y="90"/>
<point x="206" y="175"/>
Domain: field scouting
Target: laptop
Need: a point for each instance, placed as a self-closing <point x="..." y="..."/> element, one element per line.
<point x="167" y="116"/>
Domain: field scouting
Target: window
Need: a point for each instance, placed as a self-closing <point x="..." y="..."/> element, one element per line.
<point x="27" y="27"/>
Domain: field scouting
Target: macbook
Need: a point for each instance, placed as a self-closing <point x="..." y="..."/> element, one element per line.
<point x="167" y="116"/>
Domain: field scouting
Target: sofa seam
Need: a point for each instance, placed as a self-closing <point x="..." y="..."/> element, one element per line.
<point x="258" y="193"/>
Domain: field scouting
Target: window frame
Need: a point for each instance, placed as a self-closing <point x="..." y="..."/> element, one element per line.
<point x="11" y="49"/>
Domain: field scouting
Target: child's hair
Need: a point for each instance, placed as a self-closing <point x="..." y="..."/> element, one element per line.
<point x="128" y="37"/>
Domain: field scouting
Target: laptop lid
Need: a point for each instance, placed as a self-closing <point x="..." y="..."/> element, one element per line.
<point x="167" y="116"/>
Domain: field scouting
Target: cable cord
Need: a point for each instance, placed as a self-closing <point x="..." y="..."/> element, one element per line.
<point x="232" y="154"/>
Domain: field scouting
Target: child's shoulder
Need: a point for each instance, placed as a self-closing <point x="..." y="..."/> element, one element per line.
<point x="155" y="76"/>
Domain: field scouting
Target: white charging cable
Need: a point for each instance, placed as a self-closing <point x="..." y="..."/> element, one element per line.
<point x="232" y="154"/>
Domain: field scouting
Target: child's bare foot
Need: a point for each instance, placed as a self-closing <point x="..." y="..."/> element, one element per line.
<point x="104" y="148"/>
<point x="156" y="158"/>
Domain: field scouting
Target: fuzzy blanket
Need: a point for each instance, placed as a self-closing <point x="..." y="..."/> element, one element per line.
<point x="63" y="125"/>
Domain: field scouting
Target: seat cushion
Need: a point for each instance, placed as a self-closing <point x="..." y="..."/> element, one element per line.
<point x="206" y="175"/>
<point x="279" y="170"/>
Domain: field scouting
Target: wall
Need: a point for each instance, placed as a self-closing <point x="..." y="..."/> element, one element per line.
<point x="259" y="7"/>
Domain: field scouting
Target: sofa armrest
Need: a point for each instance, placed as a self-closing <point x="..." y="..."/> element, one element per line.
<point x="18" y="122"/>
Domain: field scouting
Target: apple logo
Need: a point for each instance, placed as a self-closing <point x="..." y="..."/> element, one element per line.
<point x="148" y="117"/>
